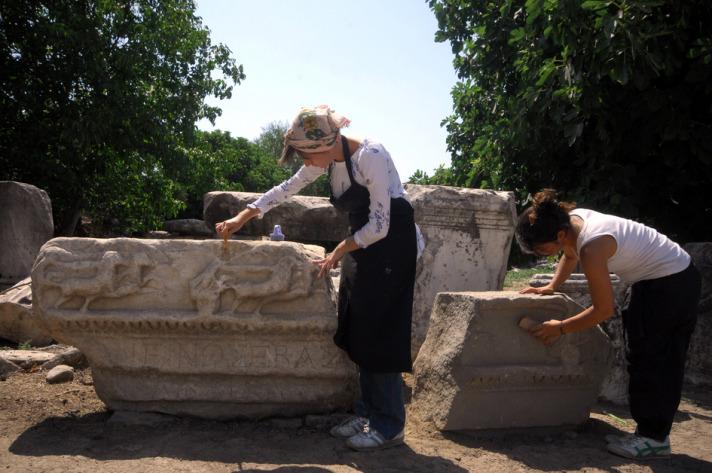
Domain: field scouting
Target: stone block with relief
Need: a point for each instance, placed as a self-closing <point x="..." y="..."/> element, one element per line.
<point x="202" y="328"/>
<point x="479" y="370"/>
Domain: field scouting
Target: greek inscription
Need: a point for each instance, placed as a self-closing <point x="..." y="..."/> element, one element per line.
<point x="451" y="218"/>
<point x="303" y="359"/>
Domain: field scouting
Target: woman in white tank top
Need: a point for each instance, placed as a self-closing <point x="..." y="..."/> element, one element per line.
<point x="658" y="321"/>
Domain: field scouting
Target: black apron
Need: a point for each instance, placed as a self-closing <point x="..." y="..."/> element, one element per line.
<point x="377" y="282"/>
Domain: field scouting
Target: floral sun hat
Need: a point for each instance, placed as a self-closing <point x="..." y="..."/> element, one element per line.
<point x="313" y="130"/>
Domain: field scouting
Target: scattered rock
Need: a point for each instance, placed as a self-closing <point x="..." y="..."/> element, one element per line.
<point x="26" y="359"/>
<point x="188" y="226"/>
<point x="17" y="320"/>
<point x="60" y="374"/>
<point x="158" y="234"/>
<point x="71" y="356"/>
<point x="7" y="367"/>
<point x="139" y="418"/>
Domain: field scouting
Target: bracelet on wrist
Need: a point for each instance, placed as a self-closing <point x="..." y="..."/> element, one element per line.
<point x="561" y="327"/>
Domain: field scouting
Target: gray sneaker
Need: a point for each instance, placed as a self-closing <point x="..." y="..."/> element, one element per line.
<point x="373" y="440"/>
<point x="641" y="448"/>
<point x="349" y="427"/>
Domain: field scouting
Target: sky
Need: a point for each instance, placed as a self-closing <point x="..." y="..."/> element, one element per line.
<point x="374" y="61"/>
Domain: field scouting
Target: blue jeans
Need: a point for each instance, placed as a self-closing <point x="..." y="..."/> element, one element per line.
<point x="382" y="402"/>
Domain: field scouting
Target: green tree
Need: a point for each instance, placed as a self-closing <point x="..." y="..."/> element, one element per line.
<point x="97" y="99"/>
<point x="608" y="101"/>
<point x="442" y="177"/>
<point x="271" y="141"/>
<point x="217" y="161"/>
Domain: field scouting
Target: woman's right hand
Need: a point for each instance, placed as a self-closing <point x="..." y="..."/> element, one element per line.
<point x="227" y="227"/>
<point x="234" y="224"/>
<point x="542" y="291"/>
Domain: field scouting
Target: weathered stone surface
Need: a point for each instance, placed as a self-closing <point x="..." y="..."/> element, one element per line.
<point x="26" y="359"/>
<point x="615" y="387"/>
<point x="26" y="216"/>
<point x="7" y="367"/>
<point x="302" y="218"/>
<point x="699" y="356"/>
<point x="467" y="233"/>
<point x="60" y="374"/>
<point x="189" y="226"/>
<point x="478" y="370"/>
<point x="17" y="322"/>
<point x="196" y="327"/>
<point x="71" y="356"/>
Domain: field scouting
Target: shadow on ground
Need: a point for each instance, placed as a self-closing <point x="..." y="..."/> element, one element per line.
<point x="214" y="441"/>
<point x="581" y="448"/>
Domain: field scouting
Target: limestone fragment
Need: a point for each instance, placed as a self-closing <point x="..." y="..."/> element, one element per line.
<point x="478" y="370"/>
<point x="60" y="374"/>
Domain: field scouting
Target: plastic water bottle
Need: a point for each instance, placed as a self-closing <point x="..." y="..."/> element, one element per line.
<point x="277" y="234"/>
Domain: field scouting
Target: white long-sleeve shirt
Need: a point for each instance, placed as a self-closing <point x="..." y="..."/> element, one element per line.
<point x="372" y="168"/>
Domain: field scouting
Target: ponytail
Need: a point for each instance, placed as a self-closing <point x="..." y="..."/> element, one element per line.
<point x="542" y="222"/>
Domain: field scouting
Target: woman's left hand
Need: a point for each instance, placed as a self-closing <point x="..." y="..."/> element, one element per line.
<point x="331" y="260"/>
<point x="547" y="332"/>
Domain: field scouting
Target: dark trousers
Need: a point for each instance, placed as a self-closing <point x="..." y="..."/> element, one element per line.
<point x="658" y="323"/>
<point x="382" y="402"/>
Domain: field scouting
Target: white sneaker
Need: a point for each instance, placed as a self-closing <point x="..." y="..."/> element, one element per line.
<point x="373" y="440"/>
<point x="349" y="427"/>
<point x="641" y="448"/>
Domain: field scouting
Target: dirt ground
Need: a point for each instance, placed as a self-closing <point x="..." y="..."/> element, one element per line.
<point x="66" y="428"/>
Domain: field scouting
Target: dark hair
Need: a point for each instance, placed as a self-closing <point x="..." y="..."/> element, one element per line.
<point x="541" y="222"/>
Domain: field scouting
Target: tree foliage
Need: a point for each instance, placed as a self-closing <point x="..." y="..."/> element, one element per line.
<point x="217" y="161"/>
<point x="99" y="100"/>
<point x="608" y="101"/>
<point x="442" y="177"/>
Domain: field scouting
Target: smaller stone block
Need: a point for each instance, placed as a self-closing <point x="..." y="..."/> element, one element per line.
<point x="60" y="374"/>
<point x="7" y="367"/>
<point x="699" y="356"/>
<point x="71" y="356"/>
<point x="26" y="216"/>
<point x="479" y="370"/>
<point x="303" y="218"/>
<point x="189" y="226"/>
<point x="17" y="321"/>
<point x="26" y="359"/>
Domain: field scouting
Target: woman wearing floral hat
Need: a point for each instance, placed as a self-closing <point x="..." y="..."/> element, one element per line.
<point x="378" y="270"/>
